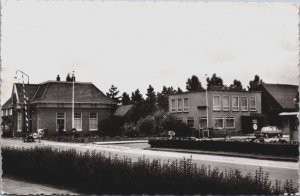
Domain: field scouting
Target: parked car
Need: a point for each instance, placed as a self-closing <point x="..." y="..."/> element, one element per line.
<point x="269" y="131"/>
<point x="28" y="137"/>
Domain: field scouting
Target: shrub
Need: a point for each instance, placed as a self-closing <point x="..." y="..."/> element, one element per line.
<point x="97" y="173"/>
<point x="146" y="126"/>
<point x="112" y="126"/>
<point x="180" y="129"/>
<point x="284" y="150"/>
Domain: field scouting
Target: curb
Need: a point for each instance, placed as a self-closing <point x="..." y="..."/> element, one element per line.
<point x="289" y="159"/>
<point x="120" y="142"/>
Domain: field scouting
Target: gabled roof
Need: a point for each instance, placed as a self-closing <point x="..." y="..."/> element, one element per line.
<point x="284" y="94"/>
<point x="7" y="104"/>
<point x="61" y="92"/>
<point x="122" y="110"/>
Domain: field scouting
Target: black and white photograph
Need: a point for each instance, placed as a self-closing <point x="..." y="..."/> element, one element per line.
<point x="149" y="97"/>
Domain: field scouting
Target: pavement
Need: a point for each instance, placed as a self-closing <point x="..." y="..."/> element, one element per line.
<point x="121" y="142"/>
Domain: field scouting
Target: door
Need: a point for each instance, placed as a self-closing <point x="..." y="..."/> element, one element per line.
<point x="60" y="121"/>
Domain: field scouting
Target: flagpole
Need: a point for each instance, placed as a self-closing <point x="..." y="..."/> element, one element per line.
<point x="73" y="100"/>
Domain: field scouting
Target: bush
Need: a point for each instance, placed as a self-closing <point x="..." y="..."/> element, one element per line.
<point x="180" y="129"/>
<point x="95" y="173"/>
<point x="146" y="126"/>
<point x="284" y="150"/>
<point x="112" y="126"/>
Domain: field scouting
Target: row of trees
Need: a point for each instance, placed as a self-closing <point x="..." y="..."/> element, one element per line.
<point x="161" y="98"/>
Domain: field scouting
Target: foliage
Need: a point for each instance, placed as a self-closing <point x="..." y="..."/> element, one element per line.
<point x="163" y="97"/>
<point x="236" y="86"/>
<point x="215" y="83"/>
<point x="150" y="101"/>
<point x="253" y="84"/>
<point x="125" y="100"/>
<point x="113" y="94"/>
<point x="99" y="173"/>
<point x="193" y="84"/>
<point x="277" y="149"/>
<point x="179" y="90"/>
<point x="112" y="126"/>
<point x="146" y="126"/>
<point x="171" y="124"/>
<point x="138" y="111"/>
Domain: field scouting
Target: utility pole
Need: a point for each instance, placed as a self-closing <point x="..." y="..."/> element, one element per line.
<point x="73" y="78"/>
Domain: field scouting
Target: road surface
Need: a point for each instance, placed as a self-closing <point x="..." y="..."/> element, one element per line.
<point x="280" y="170"/>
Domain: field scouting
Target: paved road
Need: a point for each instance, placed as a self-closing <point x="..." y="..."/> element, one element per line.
<point x="280" y="170"/>
<point x="18" y="187"/>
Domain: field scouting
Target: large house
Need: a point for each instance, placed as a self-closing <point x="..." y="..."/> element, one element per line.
<point x="49" y="106"/>
<point x="280" y="105"/>
<point x="224" y="110"/>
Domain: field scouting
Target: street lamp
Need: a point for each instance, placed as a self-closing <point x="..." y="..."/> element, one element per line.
<point x="24" y="96"/>
<point x="206" y="103"/>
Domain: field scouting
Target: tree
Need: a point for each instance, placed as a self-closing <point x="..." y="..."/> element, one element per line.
<point x="179" y="90"/>
<point x="193" y="84"/>
<point x="136" y="97"/>
<point x="163" y="97"/>
<point x="113" y="94"/>
<point x="253" y="84"/>
<point x="215" y="83"/>
<point x="150" y="101"/>
<point x="236" y="86"/>
<point x="125" y="99"/>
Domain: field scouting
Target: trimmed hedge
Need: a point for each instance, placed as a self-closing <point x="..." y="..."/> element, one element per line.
<point x="284" y="150"/>
<point x="95" y="173"/>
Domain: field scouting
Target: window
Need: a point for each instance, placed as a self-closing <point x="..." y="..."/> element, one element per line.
<point x="235" y="103"/>
<point x="19" y="125"/>
<point x="10" y="111"/>
<point x="173" y="105"/>
<point x="179" y="105"/>
<point x="60" y="121"/>
<point x="203" y="123"/>
<point x="38" y="120"/>
<point x="216" y="103"/>
<point x="252" y="104"/>
<point x="77" y="121"/>
<point x="230" y="123"/>
<point x="93" y="121"/>
<point x="5" y="112"/>
<point x="244" y="104"/>
<point x="225" y="103"/>
<point x="186" y="104"/>
<point x="190" y="121"/>
<point x="2" y="113"/>
<point x="219" y="123"/>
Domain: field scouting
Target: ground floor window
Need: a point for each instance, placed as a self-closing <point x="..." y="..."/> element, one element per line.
<point x="219" y="123"/>
<point x="203" y="123"/>
<point x="230" y="123"/>
<point x="93" y="121"/>
<point x="19" y="123"/>
<point x="190" y="121"/>
<point x="77" y="121"/>
<point x="60" y="121"/>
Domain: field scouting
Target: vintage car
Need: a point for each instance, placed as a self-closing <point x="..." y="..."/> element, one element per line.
<point x="269" y="131"/>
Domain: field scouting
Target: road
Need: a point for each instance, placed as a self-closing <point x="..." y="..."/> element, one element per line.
<point x="280" y="170"/>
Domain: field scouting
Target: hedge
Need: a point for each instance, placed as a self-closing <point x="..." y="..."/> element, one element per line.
<point x="283" y="150"/>
<point x="97" y="173"/>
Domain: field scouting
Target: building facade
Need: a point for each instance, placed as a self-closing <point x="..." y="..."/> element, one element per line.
<point x="49" y="106"/>
<point x="223" y="110"/>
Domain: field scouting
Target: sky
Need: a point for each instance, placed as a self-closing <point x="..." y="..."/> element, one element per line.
<point x="135" y="44"/>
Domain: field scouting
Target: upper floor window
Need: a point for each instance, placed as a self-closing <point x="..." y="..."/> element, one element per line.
<point x="252" y="104"/>
<point x="244" y="104"/>
<point x="226" y="103"/>
<point x="185" y="104"/>
<point x="216" y="103"/>
<point x="179" y="105"/>
<point x="235" y="103"/>
<point x="173" y="105"/>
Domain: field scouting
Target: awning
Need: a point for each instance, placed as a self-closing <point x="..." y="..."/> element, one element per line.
<point x="289" y="114"/>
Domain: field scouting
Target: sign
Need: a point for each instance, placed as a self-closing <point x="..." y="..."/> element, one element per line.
<point x="171" y="133"/>
<point x="254" y="127"/>
<point x="35" y="135"/>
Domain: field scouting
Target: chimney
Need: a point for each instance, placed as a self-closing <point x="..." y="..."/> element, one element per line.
<point x="68" y="79"/>
<point x="58" y="78"/>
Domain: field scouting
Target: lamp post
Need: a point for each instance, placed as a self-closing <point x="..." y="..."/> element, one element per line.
<point x="73" y="97"/>
<point x="206" y="104"/>
<point x="24" y="96"/>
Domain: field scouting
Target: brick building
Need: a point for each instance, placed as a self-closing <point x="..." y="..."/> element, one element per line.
<point x="50" y="106"/>
<point x="225" y="109"/>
